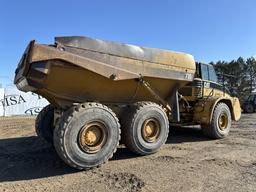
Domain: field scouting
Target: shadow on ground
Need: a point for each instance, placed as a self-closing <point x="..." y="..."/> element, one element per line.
<point x="185" y="134"/>
<point x="28" y="158"/>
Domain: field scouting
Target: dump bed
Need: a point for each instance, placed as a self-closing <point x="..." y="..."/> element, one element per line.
<point x="78" y="69"/>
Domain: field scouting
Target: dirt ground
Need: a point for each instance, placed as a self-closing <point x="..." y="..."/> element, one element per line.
<point x="188" y="162"/>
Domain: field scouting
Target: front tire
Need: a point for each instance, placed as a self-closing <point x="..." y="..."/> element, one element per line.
<point x="145" y="128"/>
<point x="220" y="123"/>
<point x="87" y="135"/>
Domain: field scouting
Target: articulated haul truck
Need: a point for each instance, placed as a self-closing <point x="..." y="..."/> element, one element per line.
<point x="100" y="91"/>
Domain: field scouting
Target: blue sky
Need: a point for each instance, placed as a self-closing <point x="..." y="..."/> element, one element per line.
<point x="209" y="30"/>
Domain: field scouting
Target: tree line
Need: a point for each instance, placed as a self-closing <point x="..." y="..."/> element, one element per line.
<point x="239" y="76"/>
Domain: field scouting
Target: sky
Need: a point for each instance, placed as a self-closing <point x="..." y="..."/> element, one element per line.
<point x="210" y="30"/>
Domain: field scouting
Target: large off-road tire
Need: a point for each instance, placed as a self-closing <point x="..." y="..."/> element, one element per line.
<point x="220" y="123"/>
<point x="145" y="128"/>
<point x="87" y="135"/>
<point x="44" y="123"/>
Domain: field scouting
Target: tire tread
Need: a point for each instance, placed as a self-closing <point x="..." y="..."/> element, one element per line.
<point x="129" y="120"/>
<point x="62" y="125"/>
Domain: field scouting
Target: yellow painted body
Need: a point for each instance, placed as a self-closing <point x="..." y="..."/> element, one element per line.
<point x="210" y="97"/>
<point x="65" y="74"/>
<point x="88" y="86"/>
<point x="78" y="70"/>
<point x="204" y="109"/>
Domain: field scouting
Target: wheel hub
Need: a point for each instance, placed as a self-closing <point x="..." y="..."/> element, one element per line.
<point x="150" y="130"/>
<point x="223" y="121"/>
<point x="92" y="137"/>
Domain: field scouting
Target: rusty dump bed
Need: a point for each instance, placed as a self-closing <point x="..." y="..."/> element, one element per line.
<point x="80" y="69"/>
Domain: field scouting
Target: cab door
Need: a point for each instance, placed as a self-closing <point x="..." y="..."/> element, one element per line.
<point x="209" y="78"/>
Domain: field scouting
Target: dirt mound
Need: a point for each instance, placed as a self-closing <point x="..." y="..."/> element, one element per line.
<point x="124" y="182"/>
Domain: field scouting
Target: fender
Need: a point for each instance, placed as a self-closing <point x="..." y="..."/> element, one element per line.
<point x="205" y="108"/>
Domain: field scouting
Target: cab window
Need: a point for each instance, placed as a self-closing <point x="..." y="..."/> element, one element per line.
<point x="212" y="74"/>
<point x="208" y="73"/>
<point x="204" y="72"/>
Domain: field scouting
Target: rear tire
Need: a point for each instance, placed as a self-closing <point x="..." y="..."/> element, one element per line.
<point x="145" y="128"/>
<point x="87" y="135"/>
<point x="44" y="123"/>
<point x="220" y="123"/>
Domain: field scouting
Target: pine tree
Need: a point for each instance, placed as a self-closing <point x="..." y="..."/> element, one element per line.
<point x="237" y="75"/>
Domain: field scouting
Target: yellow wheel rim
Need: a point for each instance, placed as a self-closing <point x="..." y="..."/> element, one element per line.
<point x="223" y="121"/>
<point x="150" y="130"/>
<point x="92" y="137"/>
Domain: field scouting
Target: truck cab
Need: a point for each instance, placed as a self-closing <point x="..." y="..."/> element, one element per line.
<point x="206" y="102"/>
<point x="205" y="84"/>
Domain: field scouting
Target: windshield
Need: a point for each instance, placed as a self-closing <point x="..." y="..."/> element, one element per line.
<point x="212" y="74"/>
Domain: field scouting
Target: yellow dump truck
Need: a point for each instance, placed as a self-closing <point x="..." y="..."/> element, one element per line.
<point x="100" y="91"/>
